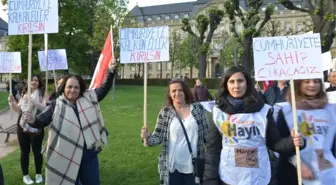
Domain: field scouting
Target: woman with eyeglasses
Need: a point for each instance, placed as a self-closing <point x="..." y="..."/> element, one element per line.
<point x="240" y="132"/>
<point x="181" y="128"/>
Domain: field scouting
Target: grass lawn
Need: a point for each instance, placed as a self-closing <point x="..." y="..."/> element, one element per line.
<point x="3" y="100"/>
<point x="124" y="161"/>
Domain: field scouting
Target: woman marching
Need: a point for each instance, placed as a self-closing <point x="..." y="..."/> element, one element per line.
<point x="240" y="132"/>
<point x="27" y="135"/>
<point x="181" y="128"/>
<point x="76" y="131"/>
<point x="316" y="122"/>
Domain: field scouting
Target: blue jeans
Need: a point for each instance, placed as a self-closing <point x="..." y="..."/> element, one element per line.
<point x="1" y="177"/>
<point x="89" y="168"/>
<point x="178" y="178"/>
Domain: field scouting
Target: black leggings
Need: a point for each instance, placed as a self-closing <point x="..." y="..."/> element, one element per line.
<point x="25" y="140"/>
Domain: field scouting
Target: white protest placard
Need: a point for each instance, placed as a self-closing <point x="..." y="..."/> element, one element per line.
<point x="327" y="62"/>
<point x="32" y="17"/>
<point x="208" y="105"/>
<point x="287" y="57"/>
<point x="332" y="97"/>
<point x="139" y="45"/>
<point x="10" y="62"/>
<point x="57" y="60"/>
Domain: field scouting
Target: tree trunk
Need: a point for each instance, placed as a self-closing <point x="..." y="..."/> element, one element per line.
<point x="172" y="69"/>
<point x="202" y="65"/>
<point x="191" y="71"/>
<point x="160" y="69"/>
<point x="247" y="53"/>
<point x="123" y="72"/>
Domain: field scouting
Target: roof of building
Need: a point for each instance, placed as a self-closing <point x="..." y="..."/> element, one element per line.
<point x="3" y="25"/>
<point x="188" y="7"/>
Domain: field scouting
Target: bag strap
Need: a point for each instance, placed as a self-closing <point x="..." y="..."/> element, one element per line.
<point x="185" y="133"/>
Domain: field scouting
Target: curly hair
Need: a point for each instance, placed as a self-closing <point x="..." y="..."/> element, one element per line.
<point x="189" y="99"/>
<point x="81" y="83"/>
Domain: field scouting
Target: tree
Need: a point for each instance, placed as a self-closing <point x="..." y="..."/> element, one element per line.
<point x="250" y="20"/>
<point x="272" y="28"/>
<point x="173" y="49"/>
<point x="111" y="12"/>
<point x="227" y="54"/>
<point x="204" y="23"/>
<point x="188" y="53"/>
<point x="323" y="15"/>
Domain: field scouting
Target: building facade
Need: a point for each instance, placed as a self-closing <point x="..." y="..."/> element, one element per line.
<point x="173" y="14"/>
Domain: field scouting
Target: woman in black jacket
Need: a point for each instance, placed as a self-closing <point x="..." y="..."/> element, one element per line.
<point x="240" y="130"/>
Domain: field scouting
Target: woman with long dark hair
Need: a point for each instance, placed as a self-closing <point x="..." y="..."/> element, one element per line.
<point x="53" y="95"/>
<point x="30" y="137"/>
<point x="241" y="130"/>
<point x="181" y="128"/>
<point x="316" y="122"/>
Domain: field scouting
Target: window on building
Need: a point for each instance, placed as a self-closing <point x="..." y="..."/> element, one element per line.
<point x="133" y="21"/>
<point x="177" y="75"/>
<point x="288" y="26"/>
<point x="159" y="65"/>
<point x="158" y="18"/>
<point x="186" y="75"/>
<point x="186" y="15"/>
<point x="167" y="17"/>
<point x="132" y="68"/>
<point x="149" y="18"/>
<point x="149" y="75"/>
<point x="150" y="67"/>
<point x="263" y="9"/>
<point x="131" y="75"/>
<point x="177" y="16"/>
<point x="158" y="76"/>
<point x="168" y="76"/>
<point x="299" y="27"/>
<point x="168" y="65"/>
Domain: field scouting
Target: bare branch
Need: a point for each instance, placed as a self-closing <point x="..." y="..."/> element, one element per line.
<point x="289" y="5"/>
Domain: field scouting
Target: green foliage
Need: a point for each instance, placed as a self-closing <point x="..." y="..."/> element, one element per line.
<point x="227" y="55"/>
<point x="188" y="52"/>
<point x="83" y="27"/>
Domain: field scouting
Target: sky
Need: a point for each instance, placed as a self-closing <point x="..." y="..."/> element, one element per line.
<point x="141" y="3"/>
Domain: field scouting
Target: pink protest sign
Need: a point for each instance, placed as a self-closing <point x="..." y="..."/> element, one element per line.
<point x="288" y="57"/>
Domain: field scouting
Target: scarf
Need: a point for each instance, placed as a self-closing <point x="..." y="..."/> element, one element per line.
<point x="308" y="104"/>
<point x="238" y="104"/>
<point x="67" y="135"/>
<point x="23" y="104"/>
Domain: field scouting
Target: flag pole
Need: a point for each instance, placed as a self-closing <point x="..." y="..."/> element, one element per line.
<point x="46" y="68"/>
<point x="115" y="72"/>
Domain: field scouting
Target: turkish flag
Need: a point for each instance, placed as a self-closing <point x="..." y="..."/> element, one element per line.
<point x="105" y="58"/>
<point x="267" y="84"/>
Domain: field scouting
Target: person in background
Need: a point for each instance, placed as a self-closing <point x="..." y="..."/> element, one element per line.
<point x="29" y="137"/>
<point x="316" y="122"/>
<point x="175" y="161"/>
<point x="2" y="181"/>
<point x="240" y="131"/>
<point x="58" y="83"/>
<point x="80" y="136"/>
<point x="276" y="93"/>
<point x="15" y="90"/>
<point x="332" y="81"/>
<point x="201" y="93"/>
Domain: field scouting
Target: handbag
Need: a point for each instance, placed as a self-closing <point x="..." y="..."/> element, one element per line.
<point x="197" y="162"/>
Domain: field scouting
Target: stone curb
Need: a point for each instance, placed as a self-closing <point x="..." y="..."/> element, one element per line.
<point x="4" y="110"/>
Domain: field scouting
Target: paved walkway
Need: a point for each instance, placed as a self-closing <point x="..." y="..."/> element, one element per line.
<point x="6" y="121"/>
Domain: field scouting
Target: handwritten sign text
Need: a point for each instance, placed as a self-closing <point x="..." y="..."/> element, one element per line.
<point x="138" y="45"/>
<point x="284" y="58"/>
<point x="10" y="62"/>
<point x="32" y="16"/>
<point x="57" y="60"/>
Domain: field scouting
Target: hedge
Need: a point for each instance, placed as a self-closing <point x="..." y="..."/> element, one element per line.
<point x="211" y="83"/>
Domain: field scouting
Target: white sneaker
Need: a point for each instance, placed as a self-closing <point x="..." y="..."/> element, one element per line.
<point x="27" y="180"/>
<point x="39" y="178"/>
